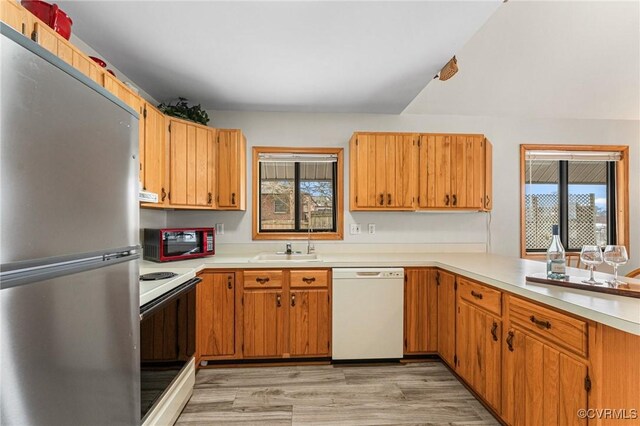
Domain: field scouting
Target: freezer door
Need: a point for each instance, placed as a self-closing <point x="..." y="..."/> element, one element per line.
<point x="68" y="160"/>
<point x="69" y="349"/>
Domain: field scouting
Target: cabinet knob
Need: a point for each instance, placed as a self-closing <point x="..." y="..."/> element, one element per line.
<point x="476" y="295"/>
<point x="293" y="300"/>
<point x="540" y="323"/>
<point x="494" y="331"/>
<point x="278" y="301"/>
<point x="229" y="284"/>
<point x="510" y="340"/>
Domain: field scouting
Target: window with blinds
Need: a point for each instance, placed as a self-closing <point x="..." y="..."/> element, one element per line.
<point x="297" y="192"/>
<point x="575" y="189"/>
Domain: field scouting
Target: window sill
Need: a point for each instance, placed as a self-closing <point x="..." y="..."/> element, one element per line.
<point x="297" y="236"/>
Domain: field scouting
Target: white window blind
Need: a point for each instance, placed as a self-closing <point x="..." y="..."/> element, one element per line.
<point x="573" y="155"/>
<point x="297" y="158"/>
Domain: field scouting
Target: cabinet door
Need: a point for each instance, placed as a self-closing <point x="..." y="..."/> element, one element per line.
<point x="231" y="169"/>
<point x="364" y="172"/>
<point x="488" y="175"/>
<point x="420" y="311"/>
<point x="263" y="323"/>
<point x="478" y="351"/>
<point x="216" y="314"/>
<point x="14" y="15"/>
<point x="85" y="65"/>
<point x="400" y="169"/>
<point x="153" y="152"/>
<point x="446" y="316"/>
<point x="541" y="384"/>
<point x="309" y="323"/>
<point x="191" y="159"/>
<point x="468" y="172"/>
<point x="438" y="158"/>
<point x="45" y="37"/>
<point x="65" y="51"/>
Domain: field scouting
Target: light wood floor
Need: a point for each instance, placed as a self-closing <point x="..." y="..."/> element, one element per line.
<point x="417" y="393"/>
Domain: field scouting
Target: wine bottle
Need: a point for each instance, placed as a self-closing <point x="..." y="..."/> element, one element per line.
<point x="556" y="260"/>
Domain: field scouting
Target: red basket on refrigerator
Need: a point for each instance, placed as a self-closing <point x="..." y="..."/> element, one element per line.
<point x="50" y="14"/>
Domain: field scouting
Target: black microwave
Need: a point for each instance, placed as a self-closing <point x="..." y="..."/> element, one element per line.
<point x="164" y="245"/>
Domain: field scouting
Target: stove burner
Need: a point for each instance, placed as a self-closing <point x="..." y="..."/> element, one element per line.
<point x="154" y="276"/>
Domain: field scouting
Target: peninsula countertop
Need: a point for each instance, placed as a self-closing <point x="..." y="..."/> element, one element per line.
<point x="502" y="272"/>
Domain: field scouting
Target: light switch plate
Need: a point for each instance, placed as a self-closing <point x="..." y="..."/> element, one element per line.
<point x="219" y="228"/>
<point x="372" y="228"/>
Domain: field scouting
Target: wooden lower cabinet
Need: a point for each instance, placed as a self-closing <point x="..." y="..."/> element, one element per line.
<point x="478" y="351"/>
<point x="309" y="322"/>
<point x="446" y="283"/>
<point x="216" y="312"/>
<point x="421" y="311"/>
<point x="542" y="385"/>
<point x="263" y="323"/>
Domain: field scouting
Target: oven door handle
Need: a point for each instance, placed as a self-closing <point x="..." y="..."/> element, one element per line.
<point x="149" y="308"/>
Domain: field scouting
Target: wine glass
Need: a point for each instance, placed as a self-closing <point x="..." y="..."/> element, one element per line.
<point x="615" y="256"/>
<point x="591" y="256"/>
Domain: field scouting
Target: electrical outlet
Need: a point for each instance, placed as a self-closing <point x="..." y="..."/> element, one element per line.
<point x="355" y="229"/>
<point x="372" y="228"/>
<point x="219" y="228"/>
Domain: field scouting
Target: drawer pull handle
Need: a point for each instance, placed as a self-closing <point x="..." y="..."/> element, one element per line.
<point x="278" y="301"/>
<point x="163" y="194"/>
<point x="262" y="280"/>
<point x="446" y="200"/>
<point x="476" y="295"/>
<point x="494" y="331"/>
<point x="209" y="198"/>
<point x="510" y="341"/>
<point x="233" y="198"/>
<point x="381" y="199"/>
<point x="308" y="280"/>
<point x="293" y="300"/>
<point x="388" y="199"/>
<point x="455" y="200"/>
<point x="540" y="323"/>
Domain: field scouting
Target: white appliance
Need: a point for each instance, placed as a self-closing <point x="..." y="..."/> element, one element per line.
<point x="368" y="313"/>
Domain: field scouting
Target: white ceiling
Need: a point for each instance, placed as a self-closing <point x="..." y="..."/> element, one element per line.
<point x="361" y="57"/>
<point x="546" y="59"/>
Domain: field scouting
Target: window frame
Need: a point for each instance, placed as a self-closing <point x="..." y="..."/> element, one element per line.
<point x="338" y="195"/>
<point x="621" y="196"/>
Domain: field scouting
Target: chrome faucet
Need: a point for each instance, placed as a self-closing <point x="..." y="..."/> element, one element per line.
<point x="288" y="249"/>
<point x="310" y="247"/>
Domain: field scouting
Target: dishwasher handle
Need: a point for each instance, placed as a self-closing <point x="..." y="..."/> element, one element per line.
<point x="368" y="274"/>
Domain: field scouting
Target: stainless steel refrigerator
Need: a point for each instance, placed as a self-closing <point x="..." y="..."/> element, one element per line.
<point x="69" y="298"/>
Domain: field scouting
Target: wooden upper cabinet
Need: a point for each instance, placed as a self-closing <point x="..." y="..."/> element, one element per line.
<point x="65" y="51"/>
<point x="192" y="159"/>
<point x="454" y="172"/>
<point x="14" y="15"/>
<point x="215" y="317"/>
<point x="87" y="66"/>
<point x="153" y="154"/>
<point x="45" y="36"/>
<point x="420" y="311"/>
<point x="121" y="91"/>
<point x="446" y="283"/>
<point x="382" y="171"/>
<point x="232" y="169"/>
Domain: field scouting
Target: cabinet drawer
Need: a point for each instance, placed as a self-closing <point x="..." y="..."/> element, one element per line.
<point x="262" y="279"/>
<point x="561" y="329"/>
<point x="309" y="278"/>
<point x="481" y="296"/>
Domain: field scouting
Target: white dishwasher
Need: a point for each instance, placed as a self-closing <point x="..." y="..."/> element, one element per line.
<point x="368" y="313"/>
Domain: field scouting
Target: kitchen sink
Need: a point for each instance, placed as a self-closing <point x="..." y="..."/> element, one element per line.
<point x="283" y="257"/>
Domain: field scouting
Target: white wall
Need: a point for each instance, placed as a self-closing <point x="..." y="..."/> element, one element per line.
<point x="506" y="134"/>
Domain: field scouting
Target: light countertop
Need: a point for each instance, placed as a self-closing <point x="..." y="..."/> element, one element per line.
<point x="506" y="273"/>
